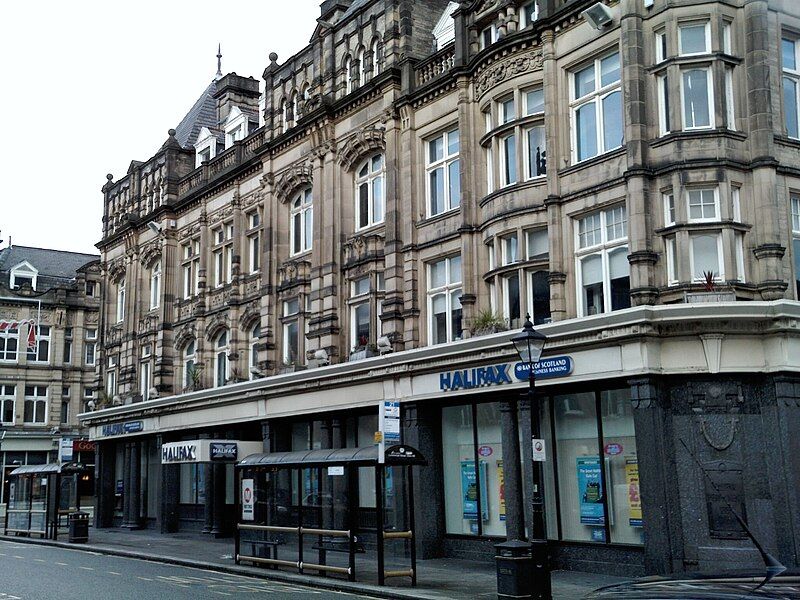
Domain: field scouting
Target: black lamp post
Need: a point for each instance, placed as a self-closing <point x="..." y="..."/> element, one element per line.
<point x="529" y="344"/>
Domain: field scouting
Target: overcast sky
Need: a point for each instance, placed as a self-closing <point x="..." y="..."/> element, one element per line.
<point x="89" y="86"/>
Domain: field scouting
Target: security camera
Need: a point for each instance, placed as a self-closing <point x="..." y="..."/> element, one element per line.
<point x="154" y="227"/>
<point x="597" y="15"/>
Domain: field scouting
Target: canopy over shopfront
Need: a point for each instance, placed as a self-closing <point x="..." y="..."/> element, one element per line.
<point x="322" y="501"/>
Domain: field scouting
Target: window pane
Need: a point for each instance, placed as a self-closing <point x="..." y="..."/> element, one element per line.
<point x="452" y="142"/>
<point x="540" y="293"/>
<point x="455" y="316"/>
<point x="790" y="106"/>
<point x="534" y="101"/>
<point x="789" y="57"/>
<point x="619" y="269"/>
<point x="695" y="98"/>
<point x="584" y="81"/>
<point x="292" y="342"/>
<point x="510" y="153"/>
<point x="507" y="110"/>
<point x="579" y="477"/>
<point x="437" y="190"/>
<point x="362" y="324"/>
<point x="586" y="135"/>
<point x="609" y="70"/>
<point x="438" y="274"/>
<point x="536" y="152"/>
<point x="592" y="281"/>
<point x="455" y="269"/>
<point x="377" y="200"/>
<point x="296" y="233"/>
<point x="460" y="485"/>
<point x="361" y="286"/>
<point x="309" y="219"/>
<point x="490" y="459"/>
<point x="622" y="467"/>
<point x="512" y="299"/>
<point x="705" y="254"/>
<point x="538" y="244"/>
<point x="377" y="163"/>
<point x="693" y="39"/>
<point x="363" y="205"/>
<point x="436" y="149"/>
<point x="439" y="319"/>
<point x="796" y="250"/>
<point x="612" y="121"/>
<point x="454" y="180"/>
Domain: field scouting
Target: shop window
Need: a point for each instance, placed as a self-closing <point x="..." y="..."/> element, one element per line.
<point x="444" y="304"/>
<point x="460" y="481"/>
<point x="597" y="124"/>
<point x="791" y="86"/>
<point x="302" y="217"/>
<point x="490" y="461"/>
<point x="35" y="408"/>
<point x="603" y="269"/>
<point x="192" y="484"/>
<point x="41" y="352"/>
<point x="221" y="368"/>
<point x="370" y="192"/>
<point x="444" y="182"/>
<point x="8" y="395"/>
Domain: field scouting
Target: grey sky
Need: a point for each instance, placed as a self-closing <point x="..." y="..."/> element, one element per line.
<point x="89" y="86"/>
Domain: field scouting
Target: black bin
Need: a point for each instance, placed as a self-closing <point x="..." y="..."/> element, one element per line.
<point x="514" y="569"/>
<point x="78" y="525"/>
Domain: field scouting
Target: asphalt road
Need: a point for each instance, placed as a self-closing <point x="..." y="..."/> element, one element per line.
<point x="33" y="572"/>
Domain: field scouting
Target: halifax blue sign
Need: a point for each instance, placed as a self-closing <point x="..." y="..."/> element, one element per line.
<point x="557" y="366"/>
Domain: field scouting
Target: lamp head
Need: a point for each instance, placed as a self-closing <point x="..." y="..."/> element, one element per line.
<point x="529" y="343"/>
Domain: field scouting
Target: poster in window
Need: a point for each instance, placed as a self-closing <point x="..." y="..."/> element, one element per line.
<point x="634" y="499"/>
<point x="469" y="491"/>
<point x="590" y="490"/>
<point x="501" y="482"/>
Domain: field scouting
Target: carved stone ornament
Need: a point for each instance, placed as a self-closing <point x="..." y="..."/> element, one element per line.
<point x="151" y="252"/>
<point x="498" y="72"/>
<point x="116" y="270"/>
<point x="215" y="326"/>
<point x="185" y="335"/>
<point x="360" y="145"/>
<point x="91" y="317"/>
<point x="292" y="179"/>
<point x="249" y="318"/>
<point x="190" y="231"/>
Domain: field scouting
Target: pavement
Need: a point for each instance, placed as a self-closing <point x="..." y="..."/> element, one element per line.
<point x="438" y="579"/>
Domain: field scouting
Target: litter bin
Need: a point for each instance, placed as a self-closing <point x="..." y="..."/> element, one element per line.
<point x="514" y="569"/>
<point x="78" y="525"/>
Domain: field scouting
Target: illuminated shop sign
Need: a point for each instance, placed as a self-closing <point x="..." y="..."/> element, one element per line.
<point x="557" y="366"/>
<point x="122" y="428"/>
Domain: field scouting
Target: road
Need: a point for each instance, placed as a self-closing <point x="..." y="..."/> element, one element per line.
<point x="33" y="572"/>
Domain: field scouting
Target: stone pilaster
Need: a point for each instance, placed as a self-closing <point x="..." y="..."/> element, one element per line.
<point x="512" y="477"/>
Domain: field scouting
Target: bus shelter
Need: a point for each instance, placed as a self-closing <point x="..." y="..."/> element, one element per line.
<point x="317" y="510"/>
<point x="40" y="496"/>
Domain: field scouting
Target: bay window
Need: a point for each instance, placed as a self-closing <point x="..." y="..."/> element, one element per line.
<point x="669" y="209"/>
<point x="603" y="272"/>
<point x="662" y="91"/>
<point x="508" y="158"/>
<point x="672" y="267"/>
<point x="697" y="98"/>
<point x="302" y="222"/>
<point x="537" y="244"/>
<point x="536" y="155"/>
<point x="703" y="205"/>
<point x="706" y="256"/>
<point x="791" y="86"/>
<point x="444" y="182"/>
<point x="370" y="192"/>
<point x="596" y="106"/>
<point x="694" y="38"/>
<point x="511" y="295"/>
<point x="444" y="304"/>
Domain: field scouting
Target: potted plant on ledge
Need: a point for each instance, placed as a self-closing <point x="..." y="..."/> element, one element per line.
<point x="486" y="322"/>
<point x="711" y="291"/>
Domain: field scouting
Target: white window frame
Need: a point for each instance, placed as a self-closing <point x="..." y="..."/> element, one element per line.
<point x="369" y="180"/>
<point x="36" y="398"/>
<point x="348" y="67"/>
<point x="448" y="289"/>
<point x="792" y="75"/>
<point x="301" y="209"/>
<point x="111" y="383"/>
<point x="90" y="341"/>
<point x="736" y="204"/>
<point x="254" y="241"/>
<point x="529" y="235"/>
<point x="26" y="270"/>
<point x="6" y="335"/>
<point x="68" y="345"/>
<point x="716" y="218"/>
<point x="738" y="241"/>
<point x="190" y="267"/>
<point x="670" y="209"/>
<point x="121" y="300"/>
<point x="660" y="46"/>
<point x="252" y="358"/>
<point x="290" y="317"/>
<point x="8" y="393"/>
<point x="155" y="285"/>
<point x="507" y="246"/>
<point x="526" y="152"/>
<point x="205" y="147"/>
<point x="235" y="127"/>
<point x="698" y="278"/>
<point x="709" y="98"/>
<point x="504" y="278"/>
<point x="595" y="97"/>
<point x="730" y="107"/>
<point x="662" y="92"/>
<point x="189" y="362"/>
<point x="444" y="163"/>
<point x="358" y="299"/>
<point x="505" y="164"/>
<point x="707" y="25"/>
<point x="484" y="43"/>
<point x="727" y="37"/>
<point x="524" y="20"/>
<point x="376" y="66"/>
<point x="221" y="350"/>
<point x="604" y="248"/>
<point x="672" y="266"/>
<point x="40" y="338"/>
<point x="145" y="379"/>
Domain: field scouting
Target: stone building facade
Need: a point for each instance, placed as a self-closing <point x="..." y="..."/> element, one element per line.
<point x="49" y="344"/>
<point x="424" y="172"/>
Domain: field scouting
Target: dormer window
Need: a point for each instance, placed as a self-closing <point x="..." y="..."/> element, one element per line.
<point x="529" y="13"/>
<point x="488" y="37"/>
<point x="235" y="127"/>
<point x="206" y="146"/>
<point x="23" y="274"/>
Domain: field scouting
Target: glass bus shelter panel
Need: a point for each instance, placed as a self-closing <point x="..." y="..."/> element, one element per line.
<point x="38" y="503"/>
<point x="19" y="498"/>
<point x="396" y="518"/>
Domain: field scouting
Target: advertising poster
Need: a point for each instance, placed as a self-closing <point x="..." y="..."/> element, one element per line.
<point x="469" y="491"/>
<point x="501" y="483"/>
<point x="590" y="490"/>
<point x="248" y="500"/>
<point x="634" y="500"/>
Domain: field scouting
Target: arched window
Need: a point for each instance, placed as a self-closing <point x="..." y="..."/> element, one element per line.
<point x="253" y="359"/>
<point x="295" y="116"/>
<point x="284" y="114"/>
<point x="348" y="65"/>
<point x="155" y="285"/>
<point x="301" y="222"/>
<point x="377" y="57"/>
<point x="370" y="192"/>
<point x="361" y="68"/>
<point x="190" y="373"/>
<point x="121" y="301"/>
<point x="221" y="359"/>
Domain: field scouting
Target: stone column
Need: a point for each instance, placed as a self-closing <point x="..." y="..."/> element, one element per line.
<point x="105" y="457"/>
<point x="126" y="487"/>
<point x="422" y="430"/>
<point x="170" y="497"/>
<point x="512" y="477"/>
<point x="658" y="480"/>
<point x="208" y="492"/>
<point x="134" y="481"/>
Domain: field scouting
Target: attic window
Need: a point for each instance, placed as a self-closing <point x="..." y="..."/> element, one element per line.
<point x="445" y="31"/>
<point x="22" y="274"/>
<point x="488" y="37"/>
<point x="204" y="155"/>
<point x="206" y="146"/>
<point x="235" y="126"/>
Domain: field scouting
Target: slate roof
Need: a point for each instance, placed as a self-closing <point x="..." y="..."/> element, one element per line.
<point x="355" y="6"/>
<point x="56" y="264"/>
<point x="202" y="114"/>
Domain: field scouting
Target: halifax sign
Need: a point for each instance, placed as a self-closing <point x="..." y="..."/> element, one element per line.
<point x="557" y="366"/>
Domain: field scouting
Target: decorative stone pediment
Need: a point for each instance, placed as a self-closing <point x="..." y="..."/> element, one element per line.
<point x="116" y="270"/>
<point x="291" y="180"/>
<point x="190" y="231"/>
<point x="185" y="335"/>
<point x="293" y="272"/>
<point x="497" y="72"/>
<point x="215" y="326"/>
<point x="249" y="318"/>
<point x="151" y="252"/>
<point x="362" y="248"/>
<point x="360" y="145"/>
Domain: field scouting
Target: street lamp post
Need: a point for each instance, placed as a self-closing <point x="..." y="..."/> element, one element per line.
<point x="529" y="344"/>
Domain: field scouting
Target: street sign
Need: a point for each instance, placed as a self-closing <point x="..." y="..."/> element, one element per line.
<point x="539" y="453"/>
<point x="65" y="450"/>
<point x="388" y="425"/>
<point x="248" y="500"/>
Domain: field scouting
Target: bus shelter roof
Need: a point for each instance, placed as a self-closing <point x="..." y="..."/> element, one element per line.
<point x="400" y="454"/>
